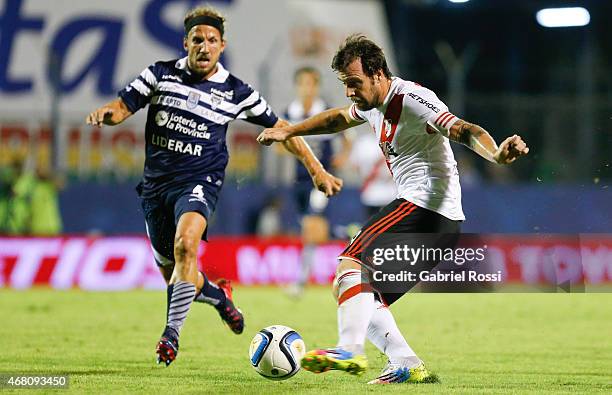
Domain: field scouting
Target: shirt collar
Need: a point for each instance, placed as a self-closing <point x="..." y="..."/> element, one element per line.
<point x="392" y="89"/>
<point x="220" y="75"/>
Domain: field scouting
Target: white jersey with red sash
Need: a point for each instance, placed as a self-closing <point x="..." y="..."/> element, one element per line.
<point x="412" y="128"/>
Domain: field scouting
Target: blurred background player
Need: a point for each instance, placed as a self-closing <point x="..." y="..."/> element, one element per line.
<point x="377" y="186"/>
<point x="413" y="128"/>
<point x="312" y="203"/>
<point x="191" y="103"/>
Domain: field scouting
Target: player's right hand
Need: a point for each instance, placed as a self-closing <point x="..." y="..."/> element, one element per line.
<point x="510" y="149"/>
<point x="98" y="116"/>
<point x="273" y="135"/>
<point x="327" y="183"/>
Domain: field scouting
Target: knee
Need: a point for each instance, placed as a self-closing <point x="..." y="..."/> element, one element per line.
<point x="344" y="268"/>
<point x="345" y="265"/>
<point x="185" y="247"/>
<point x="335" y="287"/>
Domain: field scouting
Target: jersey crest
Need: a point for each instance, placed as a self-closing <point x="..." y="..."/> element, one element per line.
<point x="389" y="126"/>
<point x="193" y="100"/>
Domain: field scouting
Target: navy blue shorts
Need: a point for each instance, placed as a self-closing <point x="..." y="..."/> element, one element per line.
<point x="403" y="221"/>
<point x="162" y="214"/>
<point x="309" y="200"/>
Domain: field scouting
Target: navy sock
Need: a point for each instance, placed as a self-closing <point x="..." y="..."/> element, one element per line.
<point x="211" y="294"/>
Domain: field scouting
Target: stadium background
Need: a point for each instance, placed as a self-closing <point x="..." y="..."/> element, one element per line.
<point x="491" y="62"/>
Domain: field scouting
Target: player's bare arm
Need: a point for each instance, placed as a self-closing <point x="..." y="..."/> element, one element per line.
<point x="322" y="180"/>
<point x="331" y="121"/>
<point x="481" y="142"/>
<point x="112" y="113"/>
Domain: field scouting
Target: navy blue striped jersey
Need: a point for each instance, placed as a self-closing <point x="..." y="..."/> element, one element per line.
<point x="187" y="122"/>
<point x="321" y="144"/>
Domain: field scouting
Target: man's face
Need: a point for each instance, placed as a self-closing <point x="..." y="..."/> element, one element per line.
<point x="307" y="86"/>
<point x="204" y="46"/>
<point x="363" y="90"/>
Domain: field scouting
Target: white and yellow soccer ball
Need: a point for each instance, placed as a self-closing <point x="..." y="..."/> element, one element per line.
<point x="276" y="352"/>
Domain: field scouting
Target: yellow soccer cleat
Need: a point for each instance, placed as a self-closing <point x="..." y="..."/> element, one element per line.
<point x="319" y="361"/>
<point x="396" y="374"/>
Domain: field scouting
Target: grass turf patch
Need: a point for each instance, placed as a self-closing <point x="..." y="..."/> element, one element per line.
<point x="475" y="343"/>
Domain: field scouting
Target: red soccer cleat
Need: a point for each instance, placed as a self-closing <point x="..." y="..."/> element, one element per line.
<point x="228" y="312"/>
<point x="167" y="348"/>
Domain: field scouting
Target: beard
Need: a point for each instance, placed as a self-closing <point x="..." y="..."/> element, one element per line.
<point x="202" y="67"/>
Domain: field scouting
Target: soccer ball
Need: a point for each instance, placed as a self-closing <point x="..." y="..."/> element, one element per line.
<point x="276" y="352"/>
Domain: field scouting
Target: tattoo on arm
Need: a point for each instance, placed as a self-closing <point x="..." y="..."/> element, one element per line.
<point x="475" y="138"/>
<point x="332" y="123"/>
<point x="466" y="133"/>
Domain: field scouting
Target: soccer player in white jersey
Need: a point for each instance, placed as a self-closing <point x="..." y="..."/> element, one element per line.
<point x="191" y="102"/>
<point x="413" y="128"/>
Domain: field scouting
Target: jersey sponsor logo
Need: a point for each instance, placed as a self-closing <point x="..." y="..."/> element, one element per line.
<point x="182" y="125"/>
<point x="176" y="145"/>
<point x="227" y="95"/>
<point x="172" y="77"/>
<point x="193" y="100"/>
<point x="169" y="101"/>
<point x="387" y="150"/>
<point x="215" y="117"/>
<point x="161" y="118"/>
<point x="217" y="97"/>
<point x="423" y="102"/>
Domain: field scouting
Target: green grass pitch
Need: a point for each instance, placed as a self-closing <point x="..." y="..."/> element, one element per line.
<point x="476" y="343"/>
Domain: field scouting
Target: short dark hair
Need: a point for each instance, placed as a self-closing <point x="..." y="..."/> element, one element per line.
<point x="205" y="11"/>
<point x="358" y="46"/>
<point x="307" y="70"/>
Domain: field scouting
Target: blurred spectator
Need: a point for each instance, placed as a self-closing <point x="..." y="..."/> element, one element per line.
<point x="312" y="203"/>
<point x="378" y="187"/>
<point x="8" y="176"/>
<point x="269" y="223"/>
<point x="46" y="219"/>
<point x="19" y="203"/>
<point x="32" y="207"/>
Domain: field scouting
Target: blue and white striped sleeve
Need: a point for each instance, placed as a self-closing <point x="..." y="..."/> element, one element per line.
<point x="255" y="109"/>
<point x="138" y="93"/>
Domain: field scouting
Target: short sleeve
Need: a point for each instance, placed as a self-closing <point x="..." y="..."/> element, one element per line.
<point x="442" y="122"/>
<point x="138" y="93"/>
<point x="355" y="114"/>
<point x="426" y="105"/>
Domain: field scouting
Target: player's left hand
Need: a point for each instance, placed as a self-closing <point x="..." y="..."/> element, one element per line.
<point x="512" y="148"/>
<point x="272" y="135"/>
<point x="327" y="183"/>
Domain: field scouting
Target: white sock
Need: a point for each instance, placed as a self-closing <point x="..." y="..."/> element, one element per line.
<point x="386" y="336"/>
<point x="355" y="308"/>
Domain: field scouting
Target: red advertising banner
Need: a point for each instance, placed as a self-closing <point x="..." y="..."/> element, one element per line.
<point x="119" y="263"/>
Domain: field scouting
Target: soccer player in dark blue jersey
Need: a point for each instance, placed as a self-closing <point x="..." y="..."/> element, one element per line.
<point x="311" y="203"/>
<point x="191" y="102"/>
